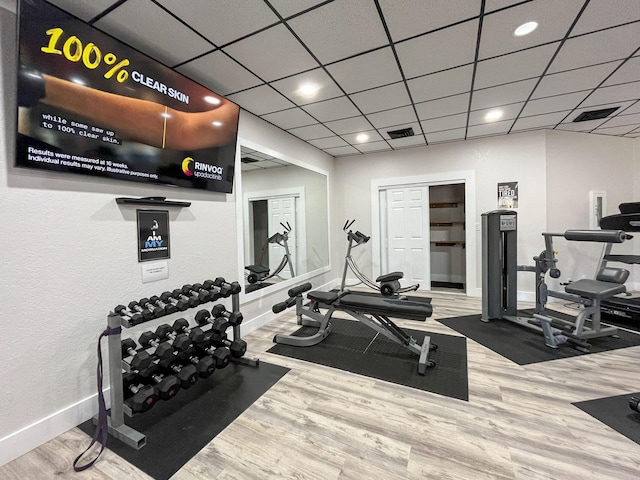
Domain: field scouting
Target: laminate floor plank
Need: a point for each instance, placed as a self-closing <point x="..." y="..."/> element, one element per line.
<point x="318" y="422"/>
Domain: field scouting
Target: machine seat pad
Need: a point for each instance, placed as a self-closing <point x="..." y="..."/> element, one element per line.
<point x="392" y="307"/>
<point x="257" y="268"/>
<point x="390" y="277"/>
<point x="594" y="289"/>
<point x="323" y="297"/>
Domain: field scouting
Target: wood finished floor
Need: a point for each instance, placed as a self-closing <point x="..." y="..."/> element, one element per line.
<point x="321" y="423"/>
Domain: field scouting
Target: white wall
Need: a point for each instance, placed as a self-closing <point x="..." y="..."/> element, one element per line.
<point x="69" y="256"/>
<point x="514" y="158"/>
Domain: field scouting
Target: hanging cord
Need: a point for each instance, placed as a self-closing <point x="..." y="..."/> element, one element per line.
<point x="102" y="429"/>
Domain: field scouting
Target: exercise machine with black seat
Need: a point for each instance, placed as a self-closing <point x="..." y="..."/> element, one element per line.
<point x="387" y="284"/>
<point x="259" y="273"/>
<point x="499" y="282"/>
<point x="372" y="311"/>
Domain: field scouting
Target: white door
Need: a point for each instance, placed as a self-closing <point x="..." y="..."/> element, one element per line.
<point x="407" y="223"/>
<point x="282" y="210"/>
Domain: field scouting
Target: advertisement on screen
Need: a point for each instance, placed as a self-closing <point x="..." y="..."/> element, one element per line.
<point x="89" y="104"/>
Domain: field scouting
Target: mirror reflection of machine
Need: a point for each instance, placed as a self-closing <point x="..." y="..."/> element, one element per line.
<point x="260" y="272"/>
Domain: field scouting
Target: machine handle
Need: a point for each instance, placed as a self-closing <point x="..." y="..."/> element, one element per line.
<point x="295" y="291"/>
<point x="604" y="236"/>
<point x="347" y="224"/>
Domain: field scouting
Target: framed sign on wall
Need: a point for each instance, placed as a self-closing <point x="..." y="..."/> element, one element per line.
<point x="153" y="235"/>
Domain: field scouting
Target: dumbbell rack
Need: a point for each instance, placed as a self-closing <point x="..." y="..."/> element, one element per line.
<point x="115" y="419"/>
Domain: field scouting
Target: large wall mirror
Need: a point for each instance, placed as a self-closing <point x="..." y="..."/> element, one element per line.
<point x="284" y="218"/>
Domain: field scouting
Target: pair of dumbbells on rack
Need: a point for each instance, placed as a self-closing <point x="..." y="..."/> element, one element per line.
<point x="220" y="320"/>
<point x="208" y="291"/>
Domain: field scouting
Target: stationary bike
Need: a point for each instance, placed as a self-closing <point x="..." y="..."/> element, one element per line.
<point x="259" y="272"/>
<point x="388" y="284"/>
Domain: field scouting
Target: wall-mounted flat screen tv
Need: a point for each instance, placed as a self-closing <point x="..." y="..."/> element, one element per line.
<point x="89" y="104"/>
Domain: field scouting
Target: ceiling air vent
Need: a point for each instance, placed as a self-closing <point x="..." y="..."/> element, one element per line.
<point x="405" y="132"/>
<point x="595" y="114"/>
<point x="248" y="160"/>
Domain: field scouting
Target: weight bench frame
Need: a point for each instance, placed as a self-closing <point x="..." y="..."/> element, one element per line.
<point x="309" y="315"/>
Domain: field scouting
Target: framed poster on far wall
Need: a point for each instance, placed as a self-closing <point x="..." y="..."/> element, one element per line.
<point x="153" y="235"/>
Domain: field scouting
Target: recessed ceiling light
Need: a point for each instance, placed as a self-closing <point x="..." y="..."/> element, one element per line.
<point x="308" y="89"/>
<point x="362" y="137"/>
<point x="212" y="100"/>
<point x="493" y="115"/>
<point x="525" y="29"/>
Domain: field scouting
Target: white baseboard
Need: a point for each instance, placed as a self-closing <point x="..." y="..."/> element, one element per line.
<point x="26" y="439"/>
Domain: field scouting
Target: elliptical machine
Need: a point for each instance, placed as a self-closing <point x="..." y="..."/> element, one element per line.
<point x="260" y="272"/>
<point x="388" y="284"/>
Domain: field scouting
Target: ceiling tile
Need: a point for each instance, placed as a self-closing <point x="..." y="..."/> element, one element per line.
<point x="494" y="128"/>
<point x="623" y="120"/>
<point x="446" y="135"/>
<point x="333" y="109"/>
<point x="407" y="141"/>
<point x="554" y="104"/>
<point x="614" y="94"/>
<point x="622" y="106"/>
<point x="579" y="126"/>
<point x="340" y="29"/>
<point x="515" y="66"/>
<point x="451" y="47"/>
<point x="553" y="24"/>
<point x="579" y="79"/>
<point x="329" y="142"/>
<point x="290" y="86"/>
<point x="223" y="21"/>
<point x="443" y="106"/>
<point x="286" y="8"/>
<point x="349" y="125"/>
<point x="502" y="95"/>
<point x="261" y="100"/>
<point x="374" y="147"/>
<point x="622" y="130"/>
<point x="341" y="151"/>
<point x="145" y="26"/>
<point x="444" y="123"/>
<point x="292" y="118"/>
<point x="390" y="118"/>
<point x="272" y="54"/>
<point x="605" y="13"/>
<point x="383" y="98"/>
<point x="351" y="138"/>
<point x="614" y="44"/>
<point x="415" y="126"/>
<point x="311" y="132"/>
<point x="366" y="71"/>
<point x="509" y="112"/>
<point x="491" y="5"/>
<point x="443" y="84"/>
<point x="84" y="10"/>
<point x="634" y="108"/>
<point x="628" y="72"/>
<point x="220" y="73"/>
<point x="413" y="17"/>
<point x="538" y="121"/>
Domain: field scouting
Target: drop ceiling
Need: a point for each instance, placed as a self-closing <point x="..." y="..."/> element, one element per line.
<point x="434" y="66"/>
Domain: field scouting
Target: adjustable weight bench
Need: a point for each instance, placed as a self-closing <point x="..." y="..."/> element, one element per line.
<point x="374" y="312"/>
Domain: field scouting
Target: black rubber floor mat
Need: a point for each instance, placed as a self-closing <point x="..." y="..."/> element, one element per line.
<point x="524" y="346"/>
<point x="178" y="429"/>
<point x="349" y="347"/>
<point x="615" y="413"/>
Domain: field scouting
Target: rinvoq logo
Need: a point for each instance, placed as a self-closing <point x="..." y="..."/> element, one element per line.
<point x="191" y="168"/>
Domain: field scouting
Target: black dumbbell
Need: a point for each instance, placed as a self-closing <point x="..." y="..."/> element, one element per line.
<point x="156" y="310"/>
<point x="234" y="318"/>
<point x="213" y="293"/>
<point x="203" y="296"/>
<point x="205" y="364"/>
<point x="237" y="347"/>
<point x="180" y="304"/>
<point x="146" y="314"/>
<point x="166" y="386"/>
<point x="132" y="317"/>
<point x="169" y="308"/>
<point x="180" y="341"/>
<point x="634" y="404"/>
<point x="191" y="301"/>
<point x="186" y="374"/>
<point x="216" y="292"/>
<point x="138" y="397"/>
<point x="219" y="324"/>
<point x="139" y="359"/>
<point x="232" y="288"/>
<point x="221" y="355"/>
<point x="149" y="339"/>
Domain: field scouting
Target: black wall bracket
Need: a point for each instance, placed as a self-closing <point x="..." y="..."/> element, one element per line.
<point x="156" y="201"/>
